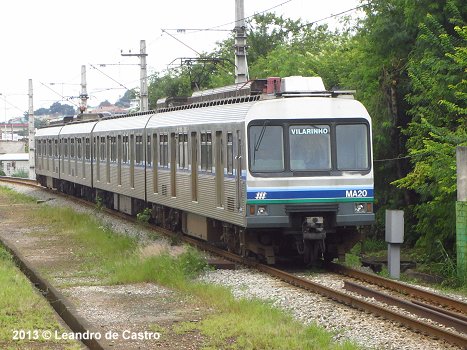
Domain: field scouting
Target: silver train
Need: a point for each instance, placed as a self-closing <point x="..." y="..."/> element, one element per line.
<point x="277" y="167"/>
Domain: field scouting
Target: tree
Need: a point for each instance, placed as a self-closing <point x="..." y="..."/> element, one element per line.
<point x="125" y="100"/>
<point x="438" y="100"/>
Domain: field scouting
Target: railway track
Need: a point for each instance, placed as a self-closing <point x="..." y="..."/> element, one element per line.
<point x="455" y="319"/>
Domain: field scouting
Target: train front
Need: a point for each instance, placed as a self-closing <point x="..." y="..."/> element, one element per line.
<point x="309" y="182"/>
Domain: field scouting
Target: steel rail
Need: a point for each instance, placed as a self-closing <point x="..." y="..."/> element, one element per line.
<point x="417" y="309"/>
<point x="399" y="287"/>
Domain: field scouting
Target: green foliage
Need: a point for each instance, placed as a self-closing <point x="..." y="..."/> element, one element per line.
<point x="99" y="203"/>
<point x="21" y="173"/>
<point x="438" y="104"/>
<point x="144" y="216"/>
<point x="2" y="173"/>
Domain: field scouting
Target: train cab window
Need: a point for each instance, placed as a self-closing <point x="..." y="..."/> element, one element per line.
<point x="266" y="148"/>
<point x="352" y="147"/>
<point x="310" y="147"/>
<point x="230" y="158"/>
<point x="79" y="148"/>
<point x="164" y="150"/>
<point x="206" y="152"/>
<point x="87" y="149"/>
<point x="102" y="148"/>
<point x="38" y="148"/>
<point x="183" y="151"/>
<point x="125" y="149"/>
<point x="113" y="149"/>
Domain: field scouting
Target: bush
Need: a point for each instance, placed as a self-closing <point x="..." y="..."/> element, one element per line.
<point x="21" y="173"/>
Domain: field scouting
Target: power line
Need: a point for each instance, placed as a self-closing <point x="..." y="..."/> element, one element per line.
<point x="108" y="76"/>
<point x="181" y="42"/>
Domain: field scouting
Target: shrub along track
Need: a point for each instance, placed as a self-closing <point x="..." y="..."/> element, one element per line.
<point x="456" y="338"/>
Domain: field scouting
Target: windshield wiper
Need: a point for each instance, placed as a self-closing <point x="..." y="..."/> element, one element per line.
<point x="261" y="134"/>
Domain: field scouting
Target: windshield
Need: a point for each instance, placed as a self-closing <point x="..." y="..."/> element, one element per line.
<point x="352" y="147"/>
<point x="266" y="148"/>
<point x="310" y="147"/>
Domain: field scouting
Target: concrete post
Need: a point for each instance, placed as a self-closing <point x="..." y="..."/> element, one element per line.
<point x="461" y="212"/>
<point x="394" y="237"/>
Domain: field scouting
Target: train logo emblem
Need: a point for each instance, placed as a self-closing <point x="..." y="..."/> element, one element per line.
<point x="261" y="195"/>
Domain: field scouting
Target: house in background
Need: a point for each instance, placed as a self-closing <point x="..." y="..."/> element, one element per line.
<point x="15" y="163"/>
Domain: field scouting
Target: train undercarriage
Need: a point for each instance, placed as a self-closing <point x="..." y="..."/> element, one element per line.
<point x="312" y="240"/>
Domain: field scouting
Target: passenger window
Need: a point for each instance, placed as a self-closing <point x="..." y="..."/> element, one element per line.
<point x="164" y="150"/>
<point x="102" y="148"/>
<point x="206" y="152"/>
<point x="125" y="149"/>
<point x="139" y="150"/>
<point x="183" y="151"/>
<point x="230" y="157"/>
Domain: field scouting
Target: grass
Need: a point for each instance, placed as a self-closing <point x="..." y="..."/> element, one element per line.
<point x="22" y="308"/>
<point x="234" y="324"/>
<point x="16" y="197"/>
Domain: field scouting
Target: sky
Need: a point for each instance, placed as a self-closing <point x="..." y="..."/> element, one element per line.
<point x="49" y="40"/>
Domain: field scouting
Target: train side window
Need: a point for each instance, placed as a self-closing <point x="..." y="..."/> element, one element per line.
<point x="94" y="150"/>
<point x="125" y="150"/>
<point x="87" y="149"/>
<point x="206" y="152"/>
<point x="72" y="147"/>
<point x="49" y="146"/>
<point x="65" y="152"/>
<point x="113" y="149"/>
<point x="183" y="151"/>
<point x="79" y="148"/>
<point x="164" y="150"/>
<point x="230" y="157"/>
<point x="139" y="149"/>
<point x="148" y="150"/>
<point x="102" y="148"/>
<point x="38" y="148"/>
<point x="56" y="148"/>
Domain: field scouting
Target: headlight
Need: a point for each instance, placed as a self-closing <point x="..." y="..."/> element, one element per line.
<point x="262" y="210"/>
<point x="362" y="208"/>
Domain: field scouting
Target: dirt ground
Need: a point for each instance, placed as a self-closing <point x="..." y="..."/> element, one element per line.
<point x="133" y="311"/>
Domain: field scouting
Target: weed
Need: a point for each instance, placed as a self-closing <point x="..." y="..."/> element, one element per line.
<point x="99" y="203"/>
<point x="144" y="216"/>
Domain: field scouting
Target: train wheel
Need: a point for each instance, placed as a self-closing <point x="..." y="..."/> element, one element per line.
<point x="313" y="251"/>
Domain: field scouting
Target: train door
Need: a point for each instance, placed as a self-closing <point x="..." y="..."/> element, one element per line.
<point x="219" y="170"/>
<point x="132" y="160"/>
<point x="173" y="164"/>
<point x="56" y="162"/>
<point x="119" y="160"/>
<point x="194" y="166"/>
<point x="238" y="173"/>
<point x="154" y="162"/>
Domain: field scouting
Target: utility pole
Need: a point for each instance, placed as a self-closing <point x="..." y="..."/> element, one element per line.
<point x="84" y="94"/>
<point x="32" y="162"/>
<point x="144" y="101"/>
<point x="241" y="65"/>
